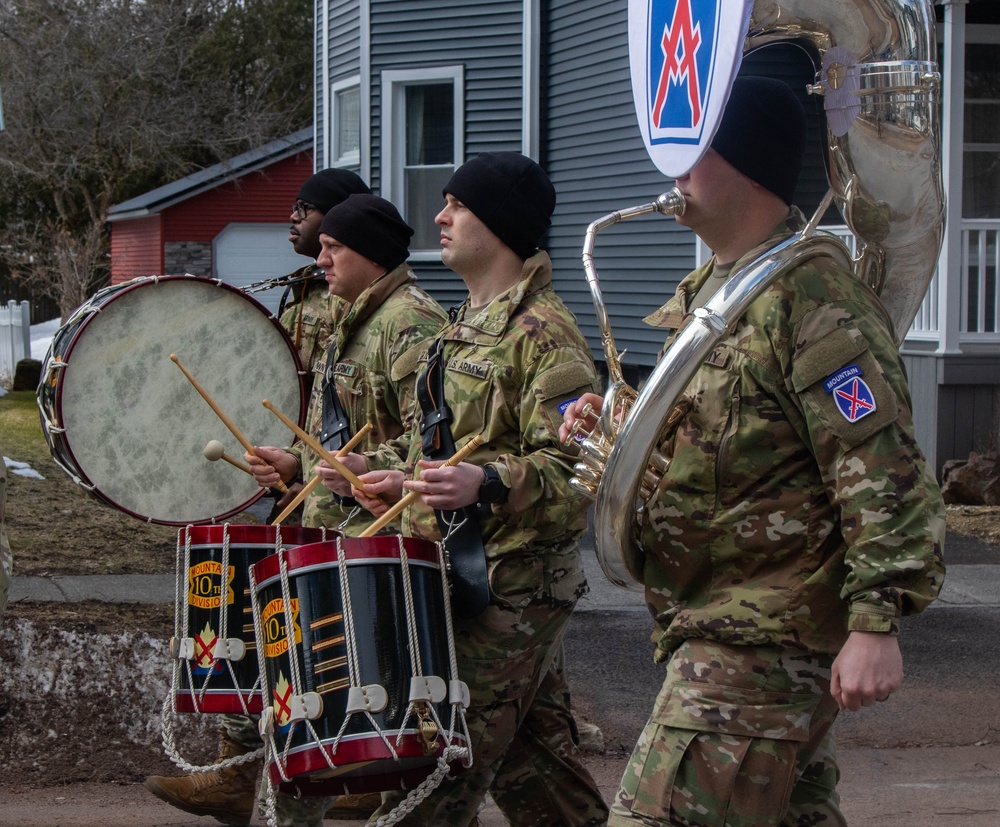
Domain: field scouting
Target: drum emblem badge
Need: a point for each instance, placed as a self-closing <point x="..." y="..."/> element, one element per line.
<point x="282" y="702"/>
<point x="204" y="584"/>
<point x="274" y="619"/>
<point x="204" y="644"/>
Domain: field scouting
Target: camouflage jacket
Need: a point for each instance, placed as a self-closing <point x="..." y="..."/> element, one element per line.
<point x="797" y="505"/>
<point x="308" y="319"/>
<point x="510" y="369"/>
<point x="378" y="341"/>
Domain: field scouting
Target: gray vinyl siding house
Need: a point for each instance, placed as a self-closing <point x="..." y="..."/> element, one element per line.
<point x="406" y="91"/>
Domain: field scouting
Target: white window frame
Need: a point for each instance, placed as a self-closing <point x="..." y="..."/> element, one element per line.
<point x="350" y="160"/>
<point x="394" y="83"/>
<point x="979" y="36"/>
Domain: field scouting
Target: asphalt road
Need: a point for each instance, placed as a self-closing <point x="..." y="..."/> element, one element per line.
<point x="928" y="757"/>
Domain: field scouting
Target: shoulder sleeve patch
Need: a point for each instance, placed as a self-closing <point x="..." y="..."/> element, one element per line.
<point x="842" y="381"/>
<point x="821" y="359"/>
<point x="407" y="362"/>
<point x="563" y="379"/>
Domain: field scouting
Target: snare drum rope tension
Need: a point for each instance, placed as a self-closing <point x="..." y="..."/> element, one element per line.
<point x="179" y="653"/>
<point x="367" y="699"/>
<point x="222" y="652"/>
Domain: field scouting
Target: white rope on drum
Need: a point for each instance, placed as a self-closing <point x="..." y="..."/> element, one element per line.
<point x="416" y="661"/>
<point x="457" y="706"/>
<point x="353" y="666"/>
<point x="270" y="748"/>
<point x="224" y="621"/>
<point x="451" y="752"/>
<point x="181" y="632"/>
<point x="419" y="793"/>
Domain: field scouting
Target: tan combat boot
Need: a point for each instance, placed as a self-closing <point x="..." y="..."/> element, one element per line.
<point x="227" y="794"/>
<point x="358" y="807"/>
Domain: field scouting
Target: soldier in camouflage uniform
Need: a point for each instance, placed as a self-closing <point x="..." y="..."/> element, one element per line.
<point x="384" y="328"/>
<point x="797" y="520"/>
<point x="308" y="310"/>
<point x="308" y="313"/>
<point x="513" y="357"/>
<point x="383" y="325"/>
<point x="6" y="561"/>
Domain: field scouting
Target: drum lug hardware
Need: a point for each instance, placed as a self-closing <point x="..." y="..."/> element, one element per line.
<point x="371" y="698"/>
<point x="458" y="692"/>
<point x="431" y="688"/>
<point x="428" y="729"/>
<point x="232" y="649"/>
<point x="182" y="648"/>
<point x="306" y="706"/>
<point x="266" y="723"/>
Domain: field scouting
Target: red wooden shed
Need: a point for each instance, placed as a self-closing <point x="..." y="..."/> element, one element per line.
<point x="229" y="221"/>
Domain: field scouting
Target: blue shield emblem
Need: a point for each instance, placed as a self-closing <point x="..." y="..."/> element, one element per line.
<point x="684" y="55"/>
<point x="854" y="399"/>
<point x="682" y="37"/>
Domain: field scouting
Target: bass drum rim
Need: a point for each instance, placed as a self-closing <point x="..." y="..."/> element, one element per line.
<point x="52" y="390"/>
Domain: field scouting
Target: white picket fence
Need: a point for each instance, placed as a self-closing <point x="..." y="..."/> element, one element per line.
<point x="15" y="336"/>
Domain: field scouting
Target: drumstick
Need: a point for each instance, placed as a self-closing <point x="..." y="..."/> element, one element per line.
<point x="214" y="451"/>
<point x="307" y="489"/>
<point x="236" y="432"/>
<point x="397" y="509"/>
<point x="329" y="458"/>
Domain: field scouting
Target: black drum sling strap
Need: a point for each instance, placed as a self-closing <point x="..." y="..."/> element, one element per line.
<point x="336" y="427"/>
<point x="336" y="431"/>
<point x="460" y="529"/>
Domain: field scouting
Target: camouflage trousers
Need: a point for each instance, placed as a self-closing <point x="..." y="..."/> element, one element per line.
<point x="740" y="736"/>
<point x="289" y="811"/>
<point x="523" y="735"/>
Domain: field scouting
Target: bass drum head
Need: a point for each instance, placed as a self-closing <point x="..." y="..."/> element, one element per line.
<point x="136" y="427"/>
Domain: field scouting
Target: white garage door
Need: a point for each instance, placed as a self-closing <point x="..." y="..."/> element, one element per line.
<point x="248" y="253"/>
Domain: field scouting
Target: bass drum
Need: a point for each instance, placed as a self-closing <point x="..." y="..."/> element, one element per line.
<point x="124" y="422"/>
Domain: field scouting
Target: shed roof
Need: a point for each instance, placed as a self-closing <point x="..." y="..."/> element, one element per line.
<point x="159" y="199"/>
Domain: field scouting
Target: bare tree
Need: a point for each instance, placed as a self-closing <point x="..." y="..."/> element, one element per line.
<point x="104" y="99"/>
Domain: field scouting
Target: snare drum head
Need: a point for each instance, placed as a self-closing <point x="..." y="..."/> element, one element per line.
<point x="136" y="427"/>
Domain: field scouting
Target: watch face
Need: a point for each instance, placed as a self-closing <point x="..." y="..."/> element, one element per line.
<point x="492" y="489"/>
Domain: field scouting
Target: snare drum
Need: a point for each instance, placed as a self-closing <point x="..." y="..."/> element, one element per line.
<point x="125" y="423"/>
<point x="356" y="664"/>
<point x="216" y="665"/>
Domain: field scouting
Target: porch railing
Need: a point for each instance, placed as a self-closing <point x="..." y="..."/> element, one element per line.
<point x="979" y="286"/>
<point x="980" y="263"/>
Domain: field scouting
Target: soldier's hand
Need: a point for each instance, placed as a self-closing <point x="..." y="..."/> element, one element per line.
<point x="381" y="489"/>
<point x="270" y="465"/>
<point x="333" y="480"/>
<point x="578" y="417"/>
<point x="447" y="487"/>
<point x="868" y="669"/>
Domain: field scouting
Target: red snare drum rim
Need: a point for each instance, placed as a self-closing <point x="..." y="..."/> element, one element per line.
<point x="357" y="550"/>
<point x="218" y="701"/>
<point x="355" y="756"/>
<point x="249" y="536"/>
<point x="117" y="291"/>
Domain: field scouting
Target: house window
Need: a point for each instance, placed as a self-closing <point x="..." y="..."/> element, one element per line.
<point x="422" y="145"/>
<point x="345" y="151"/>
<point x="981" y="162"/>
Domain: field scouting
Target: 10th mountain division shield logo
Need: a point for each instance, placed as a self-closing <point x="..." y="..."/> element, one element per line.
<point x="683" y="55"/>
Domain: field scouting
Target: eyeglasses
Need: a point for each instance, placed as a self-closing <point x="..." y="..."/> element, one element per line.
<point x="300" y="209"/>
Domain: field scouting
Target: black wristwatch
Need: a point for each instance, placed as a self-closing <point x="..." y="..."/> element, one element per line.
<point x="492" y="490"/>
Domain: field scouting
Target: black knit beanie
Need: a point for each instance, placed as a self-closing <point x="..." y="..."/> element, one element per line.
<point x="371" y="226"/>
<point x="763" y="134"/>
<point x="510" y="194"/>
<point x="329" y="187"/>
